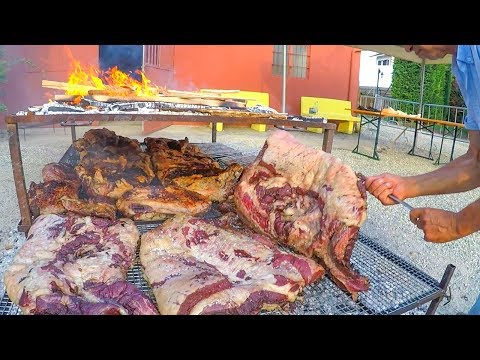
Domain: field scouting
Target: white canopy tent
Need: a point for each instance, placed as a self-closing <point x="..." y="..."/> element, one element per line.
<point x="399" y="52"/>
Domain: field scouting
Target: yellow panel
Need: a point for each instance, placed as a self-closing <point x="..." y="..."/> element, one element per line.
<point x="259" y="127"/>
<point x="254" y="98"/>
<point x="345" y="127"/>
<point x="219" y="126"/>
<point x="315" y="130"/>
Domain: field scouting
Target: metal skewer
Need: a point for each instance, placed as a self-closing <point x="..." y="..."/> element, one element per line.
<point x="398" y="201"/>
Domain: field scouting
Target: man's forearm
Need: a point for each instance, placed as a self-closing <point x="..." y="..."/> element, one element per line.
<point x="461" y="174"/>
<point x="468" y="220"/>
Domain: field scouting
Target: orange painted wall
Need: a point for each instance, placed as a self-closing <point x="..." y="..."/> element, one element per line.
<point x="50" y="62"/>
<point x="333" y="72"/>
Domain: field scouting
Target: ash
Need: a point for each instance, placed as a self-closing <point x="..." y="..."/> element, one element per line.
<point x="8" y="249"/>
<point x="87" y="106"/>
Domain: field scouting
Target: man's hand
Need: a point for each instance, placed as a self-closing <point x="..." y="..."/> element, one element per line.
<point x="383" y="185"/>
<point x="439" y="226"/>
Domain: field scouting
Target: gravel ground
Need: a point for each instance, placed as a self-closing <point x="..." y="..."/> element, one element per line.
<point x="390" y="226"/>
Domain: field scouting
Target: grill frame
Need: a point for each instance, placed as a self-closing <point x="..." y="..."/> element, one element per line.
<point x="396" y="286"/>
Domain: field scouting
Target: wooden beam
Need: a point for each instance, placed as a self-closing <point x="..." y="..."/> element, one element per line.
<point x="218" y="91"/>
<point x="196" y="95"/>
<point x="65" y="86"/>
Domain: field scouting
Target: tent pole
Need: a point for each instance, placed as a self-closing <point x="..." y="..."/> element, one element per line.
<point x="421" y="88"/>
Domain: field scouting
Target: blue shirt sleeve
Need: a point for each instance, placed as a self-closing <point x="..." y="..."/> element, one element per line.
<point x="466" y="68"/>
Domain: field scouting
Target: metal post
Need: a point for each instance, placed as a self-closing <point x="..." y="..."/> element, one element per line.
<point x="378" y="80"/>
<point x="421" y="88"/>
<point x="441" y="145"/>
<point x="453" y="143"/>
<point x="74" y="133"/>
<point x="284" y="84"/>
<point x="214" y="132"/>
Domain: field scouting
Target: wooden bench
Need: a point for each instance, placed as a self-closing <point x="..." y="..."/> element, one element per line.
<point x="374" y="118"/>
<point x="334" y="110"/>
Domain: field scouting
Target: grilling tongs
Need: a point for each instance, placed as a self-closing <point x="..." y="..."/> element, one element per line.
<point x="398" y="201"/>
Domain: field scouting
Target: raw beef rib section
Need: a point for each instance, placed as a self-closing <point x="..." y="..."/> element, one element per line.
<point x="307" y="199"/>
<point x="212" y="266"/>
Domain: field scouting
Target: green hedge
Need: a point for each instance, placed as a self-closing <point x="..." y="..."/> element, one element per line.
<point x="406" y="80"/>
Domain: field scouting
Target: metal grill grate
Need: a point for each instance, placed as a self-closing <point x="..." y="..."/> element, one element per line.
<point x="396" y="286"/>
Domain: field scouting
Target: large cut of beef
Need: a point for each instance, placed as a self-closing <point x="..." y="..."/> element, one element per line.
<point x="158" y="203"/>
<point x="59" y="193"/>
<point x="307" y="199"/>
<point x="110" y="164"/>
<point x="213" y="266"/>
<point x="77" y="265"/>
<point x="59" y="182"/>
<point x="179" y="163"/>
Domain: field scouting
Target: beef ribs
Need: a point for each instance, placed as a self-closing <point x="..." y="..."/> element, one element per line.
<point x="105" y="139"/>
<point x="172" y="159"/>
<point x="90" y="207"/>
<point x="217" y="187"/>
<point x="59" y="181"/>
<point x="76" y="265"/>
<point x="158" y="203"/>
<point x="308" y="200"/>
<point x="182" y="164"/>
<point x="61" y="173"/>
<point x="210" y="266"/>
<point x="46" y="197"/>
<point x="111" y="165"/>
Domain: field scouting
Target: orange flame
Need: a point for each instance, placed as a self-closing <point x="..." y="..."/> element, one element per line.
<point x="114" y="82"/>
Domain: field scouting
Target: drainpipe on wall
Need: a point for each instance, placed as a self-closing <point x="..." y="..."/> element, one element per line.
<point x="284" y="85"/>
<point x="284" y="79"/>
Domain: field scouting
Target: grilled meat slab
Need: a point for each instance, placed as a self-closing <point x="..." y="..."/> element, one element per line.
<point x="76" y="265"/>
<point x="90" y="208"/>
<point x="158" y="203"/>
<point x="308" y="200"/>
<point x="46" y="197"/>
<point x="111" y="165"/>
<point x="182" y="164"/>
<point x="200" y="266"/>
<point x="217" y="187"/>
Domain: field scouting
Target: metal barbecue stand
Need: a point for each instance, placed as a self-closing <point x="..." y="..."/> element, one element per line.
<point x="395" y="285"/>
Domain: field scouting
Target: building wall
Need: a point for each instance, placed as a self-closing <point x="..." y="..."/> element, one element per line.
<point x="368" y="73"/>
<point x="49" y="62"/>
<point x="333" y="72"/>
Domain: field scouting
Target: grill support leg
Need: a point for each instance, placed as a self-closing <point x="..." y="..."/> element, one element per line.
<point x="74" y="133"/>
<point x="447" y="276"/>
<point x="328" y="140"/>
<point x="19" y="177"/>
<point x="214" y="132"/>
